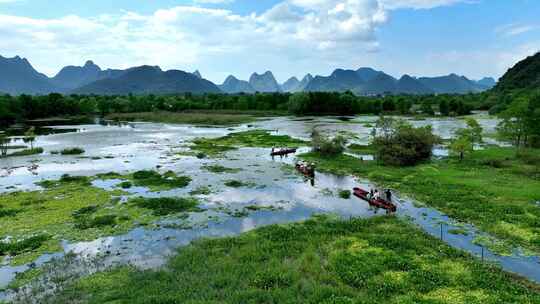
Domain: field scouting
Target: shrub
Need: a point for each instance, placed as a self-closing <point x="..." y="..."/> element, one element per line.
<point x="326" y="146"/>
<point x="401" y="144"/>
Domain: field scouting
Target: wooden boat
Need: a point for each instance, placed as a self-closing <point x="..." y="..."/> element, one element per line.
<point x="379" y="203"/>
<point x="283" y="152"/>
<point x="309" y="172"/>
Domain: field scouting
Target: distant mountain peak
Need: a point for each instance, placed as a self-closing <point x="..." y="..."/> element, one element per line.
<point x="264" y="83"/>
<point x="198" y="74"/>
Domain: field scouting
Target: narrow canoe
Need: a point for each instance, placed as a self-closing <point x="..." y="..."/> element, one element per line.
<point x="379" y="203"/>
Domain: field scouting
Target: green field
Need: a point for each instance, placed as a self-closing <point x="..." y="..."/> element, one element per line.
<point x="323" y="260"/>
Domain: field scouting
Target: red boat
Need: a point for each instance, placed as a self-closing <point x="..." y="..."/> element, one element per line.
<point x="306" y="170"/>
<point x="379" y="203"/>
<point x="283" y="152"/>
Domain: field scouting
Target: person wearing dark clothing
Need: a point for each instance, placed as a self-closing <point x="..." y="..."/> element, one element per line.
<point x="389" y="195"/>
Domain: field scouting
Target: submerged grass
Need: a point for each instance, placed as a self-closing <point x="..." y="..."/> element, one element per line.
<point x="493" y="189"/>
<point x="197" y="118"/>
<point x="323" y="260"/>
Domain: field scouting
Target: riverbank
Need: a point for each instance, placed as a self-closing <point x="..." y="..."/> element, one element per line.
<point x="322" y="260"/>
<point x="492" y="189"/>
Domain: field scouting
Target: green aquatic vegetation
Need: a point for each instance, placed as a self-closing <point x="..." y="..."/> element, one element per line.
<point x="87" y="222"/>
<point x="499" y="201"/>
<point x="166" y="205"/>
<point x="494" y="245"/>
<point x="262" y="208"/>
<point x="207" y="147"/>
<point x="203" y="190"/>
<point x="327" y="192"/>
<point x="259" y="138"/>
<point x="254" y="138"/>
<point x="27" y="152"/>
<point x="458" y="231"/>
<point x="125" y="185"/>
<point x="24" y="278"/>
<point x="64" y="180"/>
<point x="8" y="212"/>
<point x="16" y="247"/>
<point x="109" y="175"/>
<point x="323" y="260"/>
<point x="157" y="182"/>
<point x="72" y="151"/>
<point x="57" y="211"/>
<point x="344" y="194"/>
<point x="238" y="184"/>
<point x="220" y="169"/>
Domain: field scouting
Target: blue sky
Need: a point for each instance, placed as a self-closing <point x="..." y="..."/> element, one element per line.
<point x="475" y="38"/>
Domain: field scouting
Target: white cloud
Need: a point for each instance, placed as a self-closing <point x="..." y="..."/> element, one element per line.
<point x="306" y="34"/>
<point x="514" y="29"/>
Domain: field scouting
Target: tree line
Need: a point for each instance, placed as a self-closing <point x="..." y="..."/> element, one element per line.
<point x="27" y="107"/>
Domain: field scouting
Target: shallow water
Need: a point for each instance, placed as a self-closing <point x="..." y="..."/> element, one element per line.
<point x="146" y="146"/>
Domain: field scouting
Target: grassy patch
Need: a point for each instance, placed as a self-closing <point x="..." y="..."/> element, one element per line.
<point x="497" y="199"/>
<point x="254" y="138"/>
<point x="165" y="205"/>
<point x="153" y="180"/>
<point x="380" y="260"/>
<point x="185" y="118"/>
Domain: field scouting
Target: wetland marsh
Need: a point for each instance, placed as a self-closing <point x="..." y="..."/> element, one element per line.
<point x="139" y="192"/>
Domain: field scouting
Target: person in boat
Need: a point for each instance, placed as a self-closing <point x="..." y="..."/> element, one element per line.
<point x="377" y="195"/>
<point x="388" y="195"/>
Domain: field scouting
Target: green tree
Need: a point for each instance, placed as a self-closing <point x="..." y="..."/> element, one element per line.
<point x="444" y="108"/>
<point x="299" y="103"/>
<point x="461" y="145"/>
<point x="426" y="108"/>
<point x="514" y="125"/>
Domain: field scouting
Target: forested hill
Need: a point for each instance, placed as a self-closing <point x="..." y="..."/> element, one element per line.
<point x="524" y="75"/>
